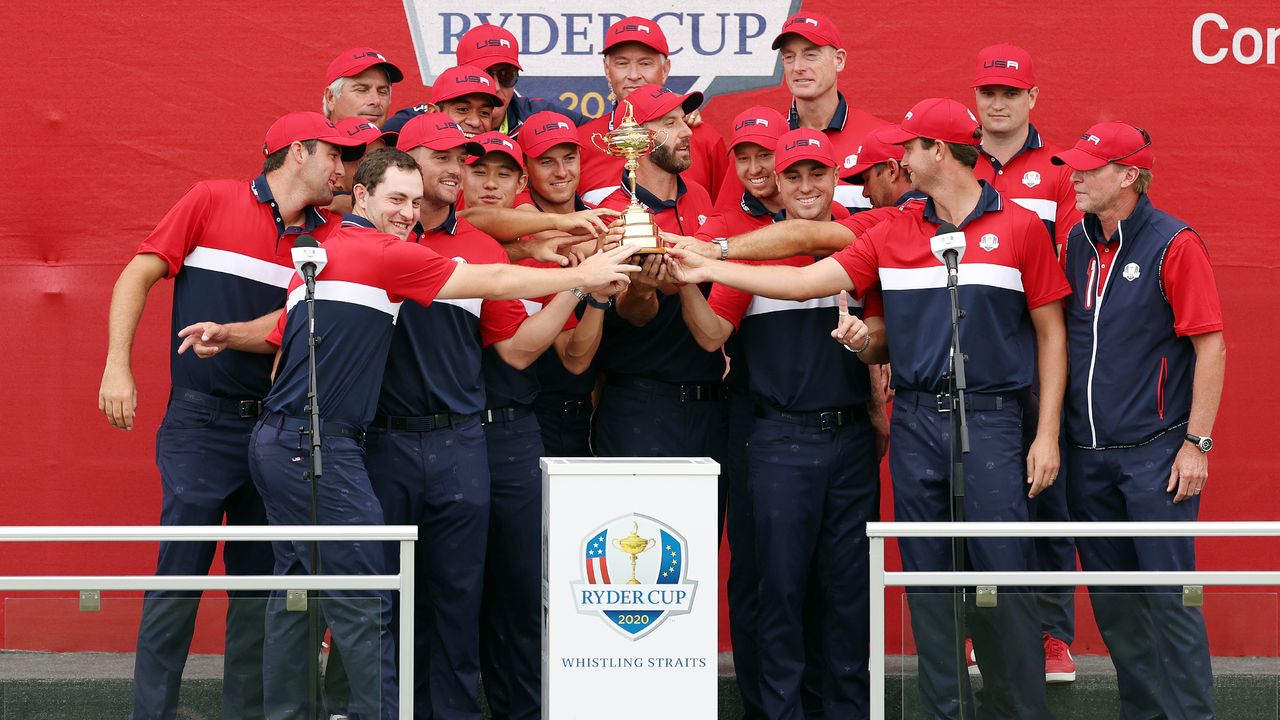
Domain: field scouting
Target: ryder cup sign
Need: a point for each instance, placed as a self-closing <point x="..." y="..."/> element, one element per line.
<point x="628" y="543"/>
<point x="715" y="48"/>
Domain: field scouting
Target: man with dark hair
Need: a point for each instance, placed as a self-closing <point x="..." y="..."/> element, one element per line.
<point x="226" y="244"/>
<point x="1010" y="289"/>
<point x="468" y="96"/>
<point x="1147" y="365"/>
<point x="370" y="273"/>
<point x="495" y="50"/>
<point x="358" y="84"/>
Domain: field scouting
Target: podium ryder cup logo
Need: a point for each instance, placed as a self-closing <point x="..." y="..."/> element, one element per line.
<point x="633" y="575"/>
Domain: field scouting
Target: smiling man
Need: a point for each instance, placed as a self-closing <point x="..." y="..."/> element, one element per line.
<point x="358" y="84"/>
<point x="496" y="177"/>
<point x="468" y="96"/>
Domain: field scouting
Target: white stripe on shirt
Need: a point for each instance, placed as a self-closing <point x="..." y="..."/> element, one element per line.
<point x="233" y="263"/>
<point x="348" y="292"/>
<point x="1001" y="276"/>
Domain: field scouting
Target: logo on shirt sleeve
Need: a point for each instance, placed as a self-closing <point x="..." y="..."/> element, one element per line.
<point x="989" y="242"/>
<point x="1131" y="272"/>
<point x="1031" y="179"/>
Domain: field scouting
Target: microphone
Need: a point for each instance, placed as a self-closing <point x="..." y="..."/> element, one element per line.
<point x="948" y="246"/>
<point x="308" y="258"/>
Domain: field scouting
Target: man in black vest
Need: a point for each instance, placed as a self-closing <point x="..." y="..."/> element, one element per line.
<point x="1144" y="330"/>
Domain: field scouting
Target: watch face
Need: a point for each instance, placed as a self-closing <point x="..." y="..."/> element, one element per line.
<point x="1206" y="444"/>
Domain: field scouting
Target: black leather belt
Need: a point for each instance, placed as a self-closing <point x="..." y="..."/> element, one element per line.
<point x="426" y="423"/>
<point x="944" y="403"/>
<point x="688" y="392"/>
<point x="244" y="409"/>
<point x="302" y="425"/>
<point x="823" y="419"/>
<point x="506" y="414"/>
<point x="567" y="405"/>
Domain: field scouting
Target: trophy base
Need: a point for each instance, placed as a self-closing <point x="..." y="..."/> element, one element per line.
<point x="640" y="231"/>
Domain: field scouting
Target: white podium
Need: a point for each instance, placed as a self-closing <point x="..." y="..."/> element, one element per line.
<point x="629" y="588"/>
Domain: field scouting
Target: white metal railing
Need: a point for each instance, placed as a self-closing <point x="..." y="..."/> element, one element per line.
<point x="402" y="582"/>
<point x="880" y="579"/>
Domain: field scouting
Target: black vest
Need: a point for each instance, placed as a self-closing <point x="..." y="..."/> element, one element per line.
<point x="1130" y="375"/>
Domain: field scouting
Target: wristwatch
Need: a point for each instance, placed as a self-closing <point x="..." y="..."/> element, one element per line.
<point x="1203" y="444"/>
<point x="724" y="247"/>
<point x="591" y="299"/>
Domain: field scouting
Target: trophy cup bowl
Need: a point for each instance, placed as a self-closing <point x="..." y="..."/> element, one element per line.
<point x="632" y="141"/>
<point x="633" y="545"/>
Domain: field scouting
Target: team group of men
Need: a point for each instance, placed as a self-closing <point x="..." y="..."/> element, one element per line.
<point x="476" y="315"/>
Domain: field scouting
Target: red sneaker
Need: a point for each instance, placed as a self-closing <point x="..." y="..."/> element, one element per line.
<point x="971" y="660"/>
<point x="1058" y="665"/>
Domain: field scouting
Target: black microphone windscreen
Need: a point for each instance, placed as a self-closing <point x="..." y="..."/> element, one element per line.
<point x="304" y="241"/>
<point x="944" y="229"/>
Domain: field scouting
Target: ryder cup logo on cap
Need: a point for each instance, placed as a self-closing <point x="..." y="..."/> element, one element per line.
<point x="634" y="575"/>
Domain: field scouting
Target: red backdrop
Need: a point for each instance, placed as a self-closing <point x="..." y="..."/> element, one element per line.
<point x="112" y="110"/>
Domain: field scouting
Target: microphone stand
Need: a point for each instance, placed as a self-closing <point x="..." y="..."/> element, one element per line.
<point x="313" y="474"/>
<point x="957" y="385"/>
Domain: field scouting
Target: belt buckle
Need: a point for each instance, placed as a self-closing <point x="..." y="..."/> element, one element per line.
<point x="684" y="393"/>
<point x="250" y="409"/>
<point x="487" y="417"/>
<point x="944" y="403"/>
<point x="828" y="420"/>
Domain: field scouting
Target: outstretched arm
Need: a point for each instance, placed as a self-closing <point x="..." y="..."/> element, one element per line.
<point x="825" y="277"/>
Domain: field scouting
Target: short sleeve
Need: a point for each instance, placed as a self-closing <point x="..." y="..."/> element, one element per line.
<point x="1043" y="280"/>
<point x="500" y="319"/>
<point x="872" y="304"/>
<point x="714" y="227"/>
<point x="729" y="303"/>
<point x="860" y="260"/>
<point x="276" y="336"/>
<point x="415" y="272"/>
<point x="179" y="231"/>
<point x="1189" y="285"/>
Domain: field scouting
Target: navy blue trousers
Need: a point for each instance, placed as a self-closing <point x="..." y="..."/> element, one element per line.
<point x="743" y="585"/>
<point x="439" y="481"/>
<point x="1057" y="605"/>
<point x="636" y="423"/>
<point x="203" y="457"/>
<point x="565" y="423"/>
<point x="279" y="456"/>
<point x="1006" y="638"/>
<point x="511" y="614"/>
<point x="1160" y="648"/>
<point x="812" y="492"/>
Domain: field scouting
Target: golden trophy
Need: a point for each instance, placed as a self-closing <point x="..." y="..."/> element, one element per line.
<point x="631" y="140"/>
<point x="633" y="545"/>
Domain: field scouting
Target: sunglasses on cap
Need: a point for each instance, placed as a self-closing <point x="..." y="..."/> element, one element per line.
<point x="1146" y="144"/>
<point x="505" y="75"/>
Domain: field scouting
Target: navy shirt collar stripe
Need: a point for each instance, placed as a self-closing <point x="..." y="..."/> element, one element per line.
<point x="1034" y="142"/>
<point x="312" y="217"/>
<point x="752" y="206"/>
<point x="650" y="200"/>
<point x="838" y="118"/>
<point x="989" y="201"/>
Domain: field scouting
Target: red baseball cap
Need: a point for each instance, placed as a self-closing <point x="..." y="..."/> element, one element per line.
<point x="437" y="131"/>
<point x="803" y="144"/>
<point x="463" y="80"/>
<point x="365" y="131"/>
<point x="937" y="119"/>
<point x="303" y="126"/>
<point x="1109" y="142"/>
<point x="544" y="130"/>
<point x="651" y="102"/>
<point x="873" y="150"/>
<point x="487" y="45"/>
<point x="635" y="29"/>
<point x="814" y="27"/>
<point x="496" y="142"/>
<point x="356" y="60"/>
<point x="1004" y="64"/>
<point x="760" y="125"/>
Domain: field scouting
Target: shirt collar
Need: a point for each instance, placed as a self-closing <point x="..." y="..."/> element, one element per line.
<point x="352" y="219"/>
<point x="1034" y="142"/>
<point x="312" y="218"/>
<point x="578" y="203"/>
<point x="752" y="206"/>
<point x="650" y="200"/>
<point x="988" y="201"/>
<point x="450" y="225"/>
<point x="909" y="196"/>
<point x="838" y="118"/>
<point x="1140" y="213"/>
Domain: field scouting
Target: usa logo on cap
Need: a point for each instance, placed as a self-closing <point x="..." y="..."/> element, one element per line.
<point x="751" y="121"/>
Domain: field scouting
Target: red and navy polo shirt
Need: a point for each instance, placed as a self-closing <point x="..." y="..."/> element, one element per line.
<point x="600" y="170"/>
<point x="795" y="365"/>
<point x="1008" y="269"/>
<point x="1030" y="180"/>
<point x="747" y="215"/>
<point x="435" y="360"/>
<point x="360" y="294"/>
<point x="663" y="349"/>
<point x="229" y="252"/>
